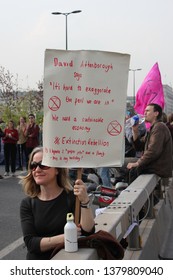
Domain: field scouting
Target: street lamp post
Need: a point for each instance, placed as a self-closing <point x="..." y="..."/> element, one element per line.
<point x="134" y="71"/>
<point x="66" y="15"/>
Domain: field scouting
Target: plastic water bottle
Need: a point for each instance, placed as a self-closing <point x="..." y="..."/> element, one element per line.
<point x="70" y="232"/>
<point x="136" y="119"/>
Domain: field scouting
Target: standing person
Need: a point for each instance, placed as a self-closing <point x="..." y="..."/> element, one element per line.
<point x="157" y="146"/>
<point x="1" y="135"/>
<point x="32" y="134"/>
<point x="10" y="148"/>
<point x="169" y="123"/>
<point x="21" y="144"/>
<point x="43" y="212"/>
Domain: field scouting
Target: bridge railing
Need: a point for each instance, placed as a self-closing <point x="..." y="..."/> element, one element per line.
<point x="121" y="218"/>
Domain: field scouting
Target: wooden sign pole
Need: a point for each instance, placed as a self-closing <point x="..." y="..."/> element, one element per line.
<point x="77" y="205"/>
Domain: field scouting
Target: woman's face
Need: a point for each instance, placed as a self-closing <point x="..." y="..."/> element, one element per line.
<point x="10" y="125"/>
<point x="43" y="176"/>
<point x="22" y="120"/>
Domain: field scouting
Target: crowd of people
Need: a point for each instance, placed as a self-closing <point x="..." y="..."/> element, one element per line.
<point x="50" y="195"/>
<point x="18" y="142"/>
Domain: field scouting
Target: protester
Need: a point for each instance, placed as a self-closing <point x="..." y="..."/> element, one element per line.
<point x="130" y="151"/>
<point x="131" y="154"/>
<point x="1" y="135"/>
<point x="164" y="117"/>
<point x="43" y="212"/>
<point x="21" y="144"/>
<point x="32" y="134"/>
<point x="10" y="148"/>
<point x="169" y="123"/>
<point x="157" y="146"/>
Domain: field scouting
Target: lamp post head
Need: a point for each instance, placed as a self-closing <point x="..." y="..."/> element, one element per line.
<point x="56" y="13"/>
<point x="66" y="14"/>
<point x="75" y="12"/>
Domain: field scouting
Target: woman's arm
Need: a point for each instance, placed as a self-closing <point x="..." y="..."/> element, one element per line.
<point x="32" y="241"/>
<point x="48" y="243"/>
<point x="87" y="219"/>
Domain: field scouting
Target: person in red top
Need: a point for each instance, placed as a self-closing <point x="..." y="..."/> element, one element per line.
<point x="10" y="148"/>
<point x="32" y="133"/>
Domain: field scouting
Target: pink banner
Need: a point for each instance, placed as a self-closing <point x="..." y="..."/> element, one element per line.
<point x="151" y="91"/>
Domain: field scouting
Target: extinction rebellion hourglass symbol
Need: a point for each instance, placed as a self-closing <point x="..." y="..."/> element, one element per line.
<point x="114" y="128"/>
<point x="54" y="103"/>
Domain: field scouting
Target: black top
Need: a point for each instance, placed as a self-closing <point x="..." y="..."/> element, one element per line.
<point x="44" y="219"/>
<point x="1" y="133"/>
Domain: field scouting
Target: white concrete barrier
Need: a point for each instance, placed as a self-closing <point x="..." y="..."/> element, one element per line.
<point x="122" y="217"/>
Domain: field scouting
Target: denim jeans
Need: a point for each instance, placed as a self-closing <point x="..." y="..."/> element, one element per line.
<point x="105" y="176"/>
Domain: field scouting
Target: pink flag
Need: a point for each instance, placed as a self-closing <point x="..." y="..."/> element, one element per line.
<point x="151" y="91"/>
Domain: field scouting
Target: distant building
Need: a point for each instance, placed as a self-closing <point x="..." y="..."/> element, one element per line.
<point x="130" y="100"/>
<point x="168" y="94"/>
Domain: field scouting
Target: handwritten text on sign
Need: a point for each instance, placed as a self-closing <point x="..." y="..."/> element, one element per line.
<point x="84" y="108"/>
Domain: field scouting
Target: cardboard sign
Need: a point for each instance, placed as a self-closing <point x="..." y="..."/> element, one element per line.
<point x="84" y="108"/>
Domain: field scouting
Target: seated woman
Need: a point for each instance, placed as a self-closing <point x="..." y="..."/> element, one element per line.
<point x="43" y="212"/>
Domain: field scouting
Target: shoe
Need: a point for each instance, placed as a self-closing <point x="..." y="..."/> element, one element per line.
<point x="13" y="174"/>
<point x="6" y="174"/>
<point x="121" y="186"/>
<point x="1" y="177"/>
<point x="19" y="168"/>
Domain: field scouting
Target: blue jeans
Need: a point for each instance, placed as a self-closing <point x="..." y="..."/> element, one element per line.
<point x="105" y="176"/>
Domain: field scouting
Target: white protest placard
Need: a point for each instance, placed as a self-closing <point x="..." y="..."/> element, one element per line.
<point x="84" y="108"/>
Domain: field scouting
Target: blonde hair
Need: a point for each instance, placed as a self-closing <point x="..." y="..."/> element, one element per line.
<point x="32" y="189"/>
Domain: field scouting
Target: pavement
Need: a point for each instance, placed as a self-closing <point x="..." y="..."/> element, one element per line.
<point x="2" y="171"/>
<point x="11" y="239"/>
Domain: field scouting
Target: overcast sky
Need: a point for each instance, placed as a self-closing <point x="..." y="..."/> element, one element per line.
<point x="142" y="29"/>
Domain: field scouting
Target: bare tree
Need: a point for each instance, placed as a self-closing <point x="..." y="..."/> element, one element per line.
<point x="9" y="91"/>
<point x="13" y="103"/>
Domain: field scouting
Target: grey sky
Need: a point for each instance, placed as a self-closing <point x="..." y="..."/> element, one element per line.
<point x="142" y="29"/>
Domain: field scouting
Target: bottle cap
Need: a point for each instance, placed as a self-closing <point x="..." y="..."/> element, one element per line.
<point x="134" y="120"/>
<point x="70" y="217"/>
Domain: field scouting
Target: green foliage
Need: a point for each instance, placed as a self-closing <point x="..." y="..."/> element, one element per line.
<point x="14" y="103"/>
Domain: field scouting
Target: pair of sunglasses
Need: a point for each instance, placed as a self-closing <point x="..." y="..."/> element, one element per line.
<point x="35" y="164"/>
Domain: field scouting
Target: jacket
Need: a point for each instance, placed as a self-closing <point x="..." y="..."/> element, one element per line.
<point x="14" y="136"/>
<point x="32" y="136"/>
<point x="157" y="155"/>
<point x="106" y="245"/>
